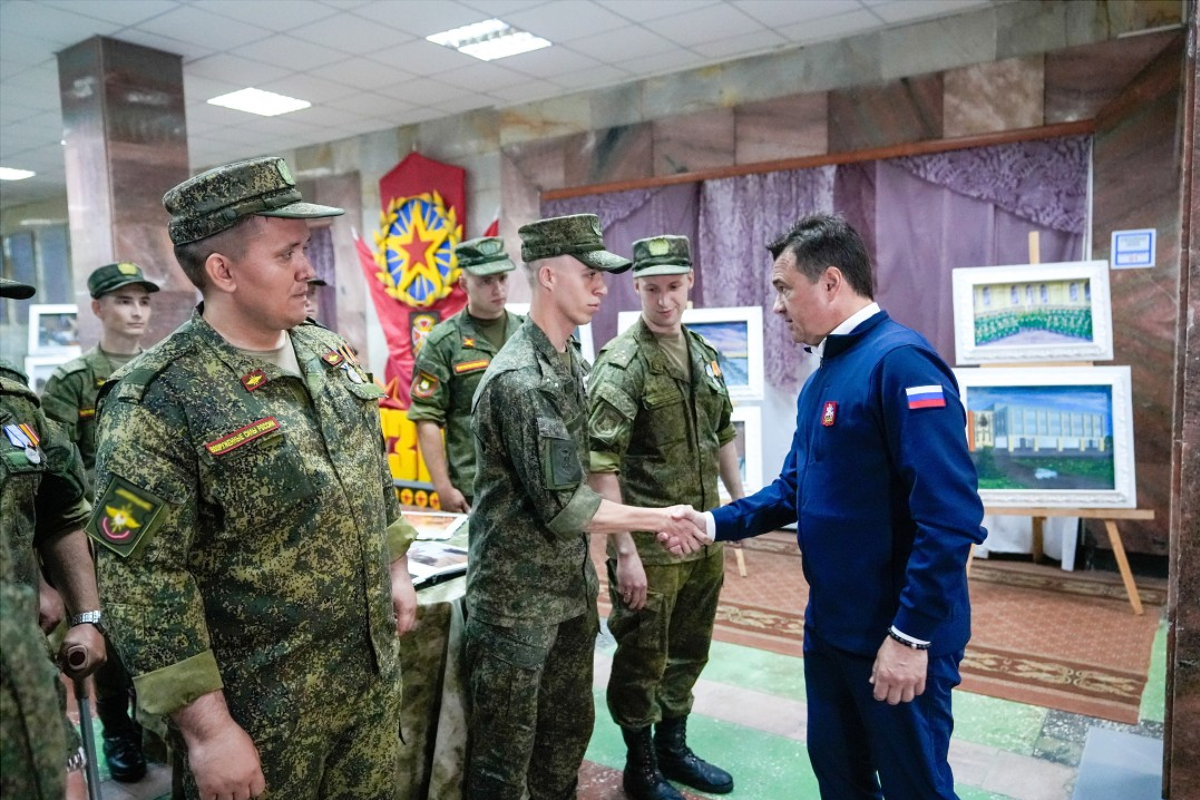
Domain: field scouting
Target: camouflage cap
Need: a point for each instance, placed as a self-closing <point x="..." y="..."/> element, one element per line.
<point x="15" y="289"/>
<point x="577" y="235"/>
<point x="484" y="256"/>
<point x="216" y="200"/>
<point x="661" y="255"/>
<point x="111" y="277"/>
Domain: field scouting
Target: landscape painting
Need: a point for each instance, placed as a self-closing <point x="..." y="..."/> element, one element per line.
<point x="1045" y="436"/>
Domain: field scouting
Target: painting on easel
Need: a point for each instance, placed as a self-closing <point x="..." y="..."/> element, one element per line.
<point x="1030" y="313"/>
<point x="1051" y="436"/>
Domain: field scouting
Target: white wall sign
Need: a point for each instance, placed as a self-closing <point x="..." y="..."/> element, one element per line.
<point x="1133" y="249"/>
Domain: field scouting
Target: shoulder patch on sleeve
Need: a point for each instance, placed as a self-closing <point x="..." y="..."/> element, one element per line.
<point x="425" y="385"/>
<point x="124" y="516"/>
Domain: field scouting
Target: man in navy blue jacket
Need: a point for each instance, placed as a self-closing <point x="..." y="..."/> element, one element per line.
<point x="884" y="494"/>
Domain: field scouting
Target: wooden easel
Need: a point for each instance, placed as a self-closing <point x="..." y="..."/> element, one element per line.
<point x="1108" y="515"/>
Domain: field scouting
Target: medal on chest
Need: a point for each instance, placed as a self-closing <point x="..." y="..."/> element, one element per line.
<point x="23" y="437"/>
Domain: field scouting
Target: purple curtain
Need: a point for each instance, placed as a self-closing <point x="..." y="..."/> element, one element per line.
<point x="626" y="217"/>
<point x="738" y="216"/>
<point x="970" y="208"/>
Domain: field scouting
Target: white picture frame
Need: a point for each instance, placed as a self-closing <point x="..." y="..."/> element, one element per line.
<point x="39" y="369"/>
<point x="1029" y="313"/>
<point x="1051" y="436"/>
<point x="737" y="335"/>
<point x="748" y="422"/>
<point x="54" y="329"/>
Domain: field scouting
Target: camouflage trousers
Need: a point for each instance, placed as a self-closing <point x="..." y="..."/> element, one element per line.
<point x="344" y="747"/>
<point x="531" y="708"/>
<point x="662" y="649"/>
<point x="33" y="756"/>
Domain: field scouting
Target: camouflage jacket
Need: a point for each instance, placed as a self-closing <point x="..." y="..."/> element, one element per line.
<point x="447" y="372"/>
<point x="41" y="478"/>
<point x="529" y="562"/>
<point x="41" y="498"/>
<point x="70" y="398"/>
<point x="662" y="432"/>
<point x="247" y="519"/>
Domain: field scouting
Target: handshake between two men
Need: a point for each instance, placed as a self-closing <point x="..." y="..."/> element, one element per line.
<point x="686" y="532"/>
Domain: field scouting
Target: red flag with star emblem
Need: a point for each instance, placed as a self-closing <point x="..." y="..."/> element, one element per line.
<point x="413" y="272"/>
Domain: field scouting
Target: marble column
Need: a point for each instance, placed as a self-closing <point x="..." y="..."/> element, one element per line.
<point x="1181" y="738"/>
<point x="125" y="144"/>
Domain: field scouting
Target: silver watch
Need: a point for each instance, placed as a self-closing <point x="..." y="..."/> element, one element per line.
<point x="90" y="618"/>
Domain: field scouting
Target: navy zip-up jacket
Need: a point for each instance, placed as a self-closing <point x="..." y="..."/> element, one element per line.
<point x="883" y="491"/>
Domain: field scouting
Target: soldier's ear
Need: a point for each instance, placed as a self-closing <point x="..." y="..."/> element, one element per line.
<point x="546" y="275"/>
<point x="218" y="269"/>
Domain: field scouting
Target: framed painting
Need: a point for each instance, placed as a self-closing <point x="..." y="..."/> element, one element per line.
<point x="1028" y="313"/>
<point x="39" y="369"/>
<point x="747" y="421"/>
<point x="53" y="329"/>
<point x="737" y="335"/>
<point x="1042" y="436"/>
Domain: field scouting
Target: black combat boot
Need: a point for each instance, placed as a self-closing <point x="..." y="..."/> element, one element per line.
<point x="122" y="740"/>
<point x="679" y="763"/>
<point x="642" y="780"/>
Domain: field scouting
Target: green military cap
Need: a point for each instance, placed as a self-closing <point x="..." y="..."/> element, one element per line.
<point x="15" y="289"/>
<point x="111" y="277"/>
<point x="484" y="256"/>
<point x="577" y="235"/>
<point x="216" y="200"/>
<point x="661" y="255"/>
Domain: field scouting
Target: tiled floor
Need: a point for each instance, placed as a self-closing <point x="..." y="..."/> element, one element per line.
<point x="749" y="718"/>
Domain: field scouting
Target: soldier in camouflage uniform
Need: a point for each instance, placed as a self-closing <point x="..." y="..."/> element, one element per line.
<point x="121" y="300"/>
<point x="531" y="586"/>
<point x="451" y="364"/>
<point x="254" y="557"/>
<point x="660" y="433"/>
<point x="42" y="511"/>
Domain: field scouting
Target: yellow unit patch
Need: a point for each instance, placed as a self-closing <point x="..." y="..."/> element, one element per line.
<point x="425" y="386"/>
<point x="471" y="366"/>
<point x="124" y="516"/>
<point x="234" y="440"/>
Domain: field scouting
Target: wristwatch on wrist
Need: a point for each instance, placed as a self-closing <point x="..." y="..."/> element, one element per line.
<point x="90" y="618"/>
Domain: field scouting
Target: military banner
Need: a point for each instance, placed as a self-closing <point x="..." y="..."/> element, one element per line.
<point x="412" y="270"/>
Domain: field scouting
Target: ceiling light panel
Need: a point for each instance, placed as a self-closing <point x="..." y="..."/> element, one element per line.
<point x="256" y="101"/>
<point x="489" y="40"/>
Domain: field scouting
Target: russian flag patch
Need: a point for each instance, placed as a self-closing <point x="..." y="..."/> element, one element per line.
<point x="925" y="397"/>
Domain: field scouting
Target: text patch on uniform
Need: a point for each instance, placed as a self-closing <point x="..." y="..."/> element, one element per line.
<point x="234" y="440"/>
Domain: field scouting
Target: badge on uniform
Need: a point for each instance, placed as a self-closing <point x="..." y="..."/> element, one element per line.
<point x="829" y="413"/>
<point x="243" y="435"/>
<point x="468" y="341"/>
<point x="925" y="397"/>
<point x="713" y="369"/>
<point x="87" y="413"/>
<point x="124" y="516"/>
<point x="24" y="438"/>
<point x="333" y="358"/>
<point x="254" y="380"/>
<point x="426" y="385"/>
<point x="471" y="366"/>
<point x="352" y="372"/>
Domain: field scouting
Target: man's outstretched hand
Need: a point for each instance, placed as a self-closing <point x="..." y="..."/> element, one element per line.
<point x="684" y="531"/>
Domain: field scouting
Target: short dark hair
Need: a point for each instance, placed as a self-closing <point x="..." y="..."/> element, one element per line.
<point x="230" y="242"/>
<point x="826" y="240"/>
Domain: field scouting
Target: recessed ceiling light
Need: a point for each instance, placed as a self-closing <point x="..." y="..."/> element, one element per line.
<point x="257" y="101"/>
<point x="11" y="174"/>
<point x="489" y="40"/>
